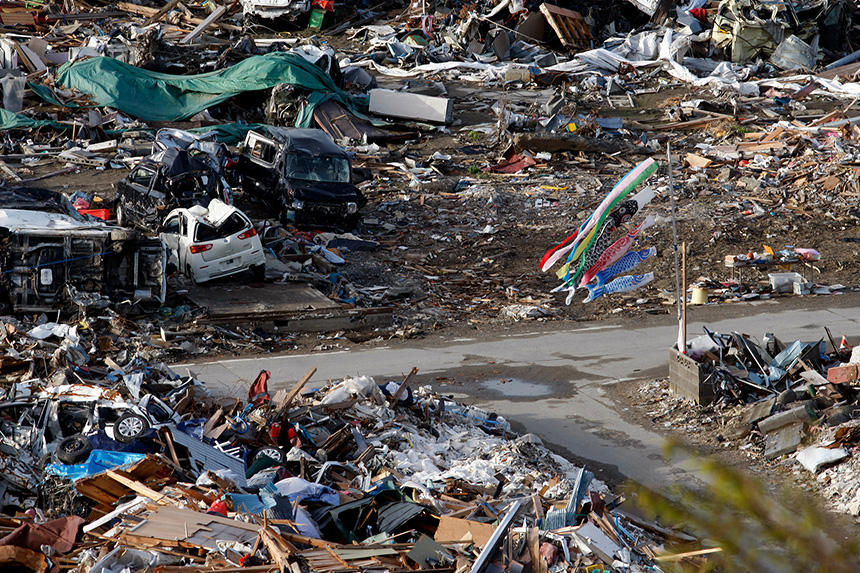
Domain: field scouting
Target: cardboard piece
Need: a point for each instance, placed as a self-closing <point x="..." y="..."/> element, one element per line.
<point x="453" y="529"/>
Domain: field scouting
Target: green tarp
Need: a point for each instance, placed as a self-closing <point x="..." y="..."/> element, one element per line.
<point x="228" y="133"/>
<point x="10" y="120"/>
<point x="152" y="96"/>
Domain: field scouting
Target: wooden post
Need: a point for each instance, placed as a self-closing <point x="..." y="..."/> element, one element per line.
<point x="683" y="296"/>
<point x="403" y="385"/>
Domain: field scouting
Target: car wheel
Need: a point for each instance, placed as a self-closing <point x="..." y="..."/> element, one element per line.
<point x="269" y="452"/>
<point x="258" y="272"/>
<point x="129" y="426"/>
<point x="74" y="449"/>
<point x="190" y="275"/>
<point x="120" y="215"/>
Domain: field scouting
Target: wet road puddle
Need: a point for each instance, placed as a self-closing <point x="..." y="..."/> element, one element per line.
<point x="516" y="388"/>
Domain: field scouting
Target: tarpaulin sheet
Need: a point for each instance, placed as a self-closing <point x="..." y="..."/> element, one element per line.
<point x="153" y="96"/>
<point x="229" y="133"/>
<point x="58" y="533"/>
<point x="10" y="120"/>
<point x="97" y="462"/>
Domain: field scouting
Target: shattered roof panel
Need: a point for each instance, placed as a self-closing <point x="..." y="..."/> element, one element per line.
<point x="312" y="141"/>
<point x="16" y="220"/>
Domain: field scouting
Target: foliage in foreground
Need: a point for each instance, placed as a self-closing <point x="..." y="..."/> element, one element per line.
<point x="756" y="531"/>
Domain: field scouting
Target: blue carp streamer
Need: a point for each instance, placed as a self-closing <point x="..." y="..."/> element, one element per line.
<point x="626" y="263"/>
<point x="621" y="284"/>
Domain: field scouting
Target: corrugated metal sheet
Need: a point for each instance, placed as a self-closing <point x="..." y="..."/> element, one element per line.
<point x="210" y="458"/>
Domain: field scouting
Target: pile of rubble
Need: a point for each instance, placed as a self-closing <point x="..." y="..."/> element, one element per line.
<point x="122" y="463"/>
<point x="792" y="403"/>
<point x="471" y="131"/>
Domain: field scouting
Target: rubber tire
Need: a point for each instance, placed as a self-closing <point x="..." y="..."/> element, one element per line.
<point x="127" y="416"/>
<point x="120" y="217"/>
<point x="190" y="276"/>
<point x="267" y="451"/>
<point x="74" y="449"/>
<point x="258" y="272"/>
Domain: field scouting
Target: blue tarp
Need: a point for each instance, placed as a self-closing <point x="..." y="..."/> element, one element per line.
<point x="97" y="462"/>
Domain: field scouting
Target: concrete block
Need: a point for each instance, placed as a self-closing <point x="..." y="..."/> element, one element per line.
<point x="755" y="412"/>
<point x="816" y="457"/>
<point x="390" y="103"/>
<point x="803" y="412"/>
<point x="516" y="74"/>
<point x="783" y="441"/>
<point x="842" y="374"/>
<point x="687" y="378"/>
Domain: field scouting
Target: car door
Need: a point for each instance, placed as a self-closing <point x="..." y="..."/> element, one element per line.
<point x="170" y="234"/>
<point x="136" y="189"/>
<point x="186" y="237"/>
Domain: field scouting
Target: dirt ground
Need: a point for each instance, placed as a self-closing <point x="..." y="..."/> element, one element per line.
<point x="464" y="244"/>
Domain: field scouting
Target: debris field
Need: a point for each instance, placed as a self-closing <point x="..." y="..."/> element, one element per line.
<point x="181" y="179"/>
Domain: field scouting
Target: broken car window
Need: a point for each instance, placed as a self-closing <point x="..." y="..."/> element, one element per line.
<point x="142" y="176"/>
<point x="328" y="169"/>
<point x="171" y="225"/>
<point x="263" y="151"/>
<point x="235" y="223"/>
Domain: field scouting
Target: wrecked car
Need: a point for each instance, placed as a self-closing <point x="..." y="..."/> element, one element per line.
<point x="209" y="243"/>
<point x="62" y="420"/>
<point x="303" y="174"/>
<point x="204" y="146"/>
<point x="268" y="11"/>
<point x="746" y="29"/>
<point x="171" y="177"/>
<point x="54" y="260"/>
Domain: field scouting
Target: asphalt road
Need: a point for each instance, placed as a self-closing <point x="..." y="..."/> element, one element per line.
<point x="550" y="382"/>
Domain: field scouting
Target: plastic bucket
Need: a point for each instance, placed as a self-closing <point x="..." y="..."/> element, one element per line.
<point x="699" y="296"/>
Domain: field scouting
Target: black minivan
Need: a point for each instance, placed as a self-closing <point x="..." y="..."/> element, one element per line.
<point x="303" y="174"/>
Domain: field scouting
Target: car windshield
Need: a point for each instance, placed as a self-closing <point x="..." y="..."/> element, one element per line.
<point x="233" y="224"/>
<point x="327" y="168"/>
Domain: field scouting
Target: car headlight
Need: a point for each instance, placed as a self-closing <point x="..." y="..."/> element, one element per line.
<point x="351" y="207"/>
<point x="298" y="204"/>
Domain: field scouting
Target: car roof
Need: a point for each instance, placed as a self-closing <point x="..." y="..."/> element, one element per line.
<point x="313" y="141"/>
<point x="27" y="220"/>
<point x="217" y="212"/>
<point x="37" y="199"/>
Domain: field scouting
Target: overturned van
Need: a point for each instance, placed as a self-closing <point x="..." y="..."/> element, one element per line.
<point x="303" y="174"/>
<point x="53" y="260"/>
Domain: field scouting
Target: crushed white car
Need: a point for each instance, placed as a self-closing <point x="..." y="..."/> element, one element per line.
<point x="207" y="243"/>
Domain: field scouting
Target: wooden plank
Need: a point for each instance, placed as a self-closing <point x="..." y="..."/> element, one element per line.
<point x="824" y="119"/>
<point x="168" y="439"/>
<point x="211" y="422"/>
<point x="139" y="488"/>
<point x="569" y="26"/>
<point x="202" y="26"/>
<point x="403" y="385"/>
<point x="454" y="530"/>
<point x="298" y="538"/>
<point x="162" y="11"/>
<point x="185" y="19"/>
<point x="777" y="132"/>
<point x="696" y="160"/>
<point x="275" y="552"/>
<point x="538" y="506"/>
<point x="283" y="408"/>
<point x="9" y="172"/>
<point x="533" y="540"/>
<point x="679" y="556"/>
